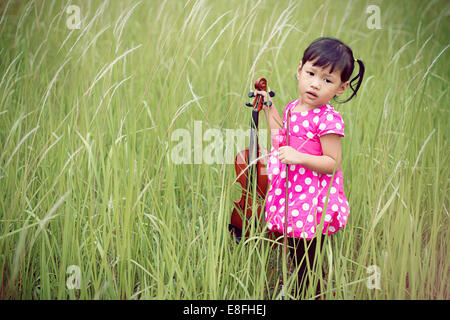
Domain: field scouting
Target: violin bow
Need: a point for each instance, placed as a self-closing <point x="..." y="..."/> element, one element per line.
<point x="286" y="209"/>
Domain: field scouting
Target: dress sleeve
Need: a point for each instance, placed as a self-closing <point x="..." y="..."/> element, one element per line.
<point x="331" y="122"/>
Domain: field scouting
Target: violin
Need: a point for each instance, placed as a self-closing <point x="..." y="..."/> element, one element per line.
<point x="250" y="170"/>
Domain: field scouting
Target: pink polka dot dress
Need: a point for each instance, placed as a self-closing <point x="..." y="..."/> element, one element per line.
<point x="307" y="189"/>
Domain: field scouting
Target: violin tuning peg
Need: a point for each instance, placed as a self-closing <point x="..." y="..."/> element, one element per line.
<point x="271" y="94"/>
<point x="248" y="104"/>
<point x="251" y="94"/>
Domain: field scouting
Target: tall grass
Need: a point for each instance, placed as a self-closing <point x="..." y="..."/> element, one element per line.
<point x="86" y="123"/>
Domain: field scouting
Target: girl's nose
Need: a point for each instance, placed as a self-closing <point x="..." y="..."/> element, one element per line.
<point x="315" y="84"/>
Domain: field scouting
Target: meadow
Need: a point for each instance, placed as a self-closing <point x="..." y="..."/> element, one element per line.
<point x="95" y="206"/>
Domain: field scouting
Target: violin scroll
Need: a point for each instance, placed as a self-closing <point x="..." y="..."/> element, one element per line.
<point x="258" y="102"/>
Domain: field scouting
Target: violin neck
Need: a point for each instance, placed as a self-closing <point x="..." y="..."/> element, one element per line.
<point x="253" y="146"/>
<point x="253" y="149"/>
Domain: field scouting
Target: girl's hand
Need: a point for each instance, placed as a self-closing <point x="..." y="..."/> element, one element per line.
<point x="266" y="98"/>
<point x="289" y="155"/>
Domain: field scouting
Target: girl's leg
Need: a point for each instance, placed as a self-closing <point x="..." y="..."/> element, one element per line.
<point x="305" y="250"/>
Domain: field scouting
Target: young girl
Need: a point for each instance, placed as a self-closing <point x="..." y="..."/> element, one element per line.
<point x="314" y="150"/>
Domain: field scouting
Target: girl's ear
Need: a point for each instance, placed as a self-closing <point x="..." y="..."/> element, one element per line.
<point x="299" y="70"/>
<point x="342" y="88"/>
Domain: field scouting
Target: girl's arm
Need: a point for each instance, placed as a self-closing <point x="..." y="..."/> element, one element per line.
<point x="325" y="164"/>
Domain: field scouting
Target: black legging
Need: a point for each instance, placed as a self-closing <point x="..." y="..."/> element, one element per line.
<point x="298" y="256"/>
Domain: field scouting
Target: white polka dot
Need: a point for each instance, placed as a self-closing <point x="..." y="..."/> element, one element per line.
<point x="295" y="178"/>
<point x="269" y="198"/>
<point x="313" y="229"/>
<point x="327" y="217"/>
<point x="295" y="213"/>
<point x="306" y="123"/>
<point x="322" y="126"/>
<point x="343" y="209"/>
<point x="294" y="117"/>
<point x="304" y="235"/>
<point x="310" y="218"/>
<point x="337" y="180"/>
<point x="281" y="210"/>
<point x="283" y="174"/>
<point x="273" y="160"/>
<point x="303" y="196"/>
<point x="340" y="200"/>
<point x="333" y="190"/>
<point x="299" y="224"/>
<point x="310" y="135"/>
<point x="296" y="128"/>
<point x="316" y="119"/>
<point x="330" y="117"/>
<point x="338" y="126"/>
<point x="308" y="180"/>
<point x="289" y="229"/>
<point x="316" y="110"/>
<point x="315" y="174"/>
<point x="273" y="208"/>
<point x="324" y="183"/>
<point x="311" y="189"/>
<point x="302" y="170"/>
<point x="304" y="113"/>
<point x="305" y="206"/>
<point x="276" y="171"/>
<point x="281" y="201"/>
<point x="292" y="166"/>
<point x="319" y="209"/>
<point x="332" y="229"/>
<point x="298" y="188"/>
<point x="278" y="191"/>
<point x="314" y="201"/>
<point x="335" y="207"/>
<point x="290" y="195"/>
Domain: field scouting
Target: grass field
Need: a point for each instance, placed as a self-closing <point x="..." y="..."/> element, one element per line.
<point x="91" y="190"/>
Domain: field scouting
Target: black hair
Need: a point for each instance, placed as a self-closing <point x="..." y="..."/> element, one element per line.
<point x="330" y="51"/>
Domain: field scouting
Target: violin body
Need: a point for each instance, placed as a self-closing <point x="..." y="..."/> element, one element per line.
<point x="251" y="172"/>
<point x="244" y="204"/>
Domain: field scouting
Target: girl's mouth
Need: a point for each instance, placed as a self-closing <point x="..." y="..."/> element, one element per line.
<point x="311" y="95"/>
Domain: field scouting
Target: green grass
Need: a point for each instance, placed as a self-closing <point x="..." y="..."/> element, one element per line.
<point x="86" y="123"/>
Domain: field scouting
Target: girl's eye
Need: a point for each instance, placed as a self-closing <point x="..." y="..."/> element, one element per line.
<point x="328" y="81"/>
<point x="310" y="73"/>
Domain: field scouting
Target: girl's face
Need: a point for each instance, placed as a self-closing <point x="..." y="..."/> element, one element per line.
<point x="317" y="86"/>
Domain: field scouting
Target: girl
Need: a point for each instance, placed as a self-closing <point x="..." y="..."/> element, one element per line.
<point x="314" y="150"/>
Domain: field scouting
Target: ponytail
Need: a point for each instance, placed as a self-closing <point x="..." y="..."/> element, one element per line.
<point x="359" y="78"/>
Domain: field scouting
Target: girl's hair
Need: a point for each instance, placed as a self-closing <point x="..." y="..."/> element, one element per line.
<point x="329" y="51"/>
